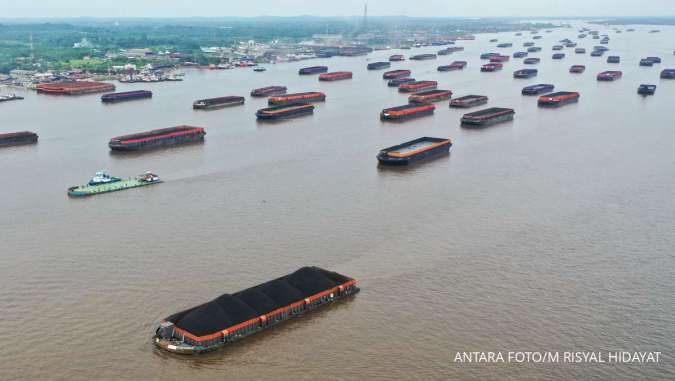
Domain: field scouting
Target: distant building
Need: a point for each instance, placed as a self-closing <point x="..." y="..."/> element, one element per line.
<point x="137" y="53"/>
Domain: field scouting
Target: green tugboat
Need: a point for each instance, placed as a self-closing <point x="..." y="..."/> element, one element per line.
<point x="104" y="183"/>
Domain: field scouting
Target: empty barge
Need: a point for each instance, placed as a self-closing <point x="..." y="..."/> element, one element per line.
<point x="17" y="138"/>
<point x="232" y="317"/>
<point x="560" y="98"/>
<point x="74" y="88"/>
<point x="468" y="101"/>
<point x="285" y="112"/>
<point x="220" y="102"/>
<point x="160" y="138"/>
<point x="407" y="112"/>
<point x="290" y="99"/>
<point x="268" y="91"/>
<point x="335" y="76"/>
<point x="487" y="117"/>
<point x="313" y="70"/>
<point x="414" y="150"/>
<point x="430" y="96"/>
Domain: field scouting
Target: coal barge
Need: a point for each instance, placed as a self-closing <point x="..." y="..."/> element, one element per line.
<point x="74" y="88"/>
<point x="220" y="102"/>
<point x="290" y="99"/>
<point x="313" y="70"/>
<point x="558" y="56"/>
<point x="414" y="150"/>
<point x="456" y="65"/>
<point x="396" y="58"/>
<point x="396" y="74"/>
<point x="668" y="74"/>
<point x="285" y="112"/>
<point x="232" y="317"/>
<point x="406" y="112"/>
<point x="335" y="76"/>
<point x="491" y="67"/>
<point x="160" y="138"/>
<point x="412" y="87"/>
<point x="558" y="99"/>
<point x="468" y="101"/>
<point x="126" y="96"/>
<point x="610" y="75"/>
<point x="17" y="138"/>
<point x="430" y="96"/>
<point x="613" y="59"/>
<point x="577" y="69"/>
<point x="531" y="61"/>
<point x="378" y="65"/>
<point x="423" y="57"/>
<point x="541" y="88"/>
<point x="487" y="117"/>
<point x="646" y="89"/>
<point x="268" y="91"/>
<point x="399" y="81"/>
<point x="525" y="73"/>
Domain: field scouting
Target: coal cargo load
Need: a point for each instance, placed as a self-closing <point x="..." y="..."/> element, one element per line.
<point x="125" y="96"/>
<point x="231" y="317"/>
<point x="17" y="138"/>
<point x="155" y="139"/>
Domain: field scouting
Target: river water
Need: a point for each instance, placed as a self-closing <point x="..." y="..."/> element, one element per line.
<point x="551" y="233"/>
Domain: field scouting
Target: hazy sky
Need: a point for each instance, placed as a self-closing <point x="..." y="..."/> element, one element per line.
<point x="458" y="8"/>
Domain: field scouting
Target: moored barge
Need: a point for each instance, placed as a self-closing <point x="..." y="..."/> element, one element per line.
<point x="17" y="138"/>
<point x="613" y="59"/>
<point x="487" y="117"/>
<point x="396" y="74"/>
<point x="668" y="74"/>
<point x="335" y="76"/>
<point x="102" y="183"/>
<point x="313" y="70"/>
<point x="558" y="56"/>
<point x="268" y="91"/>
<point x="537" y="89"/>
<point x="406" y="112"/>
<point x="560" y="98"/>
<point x="577" y="69"/>
<point x="580" y="51"/>
<point x="399" y="81"/>
<point x="74" y="88"/>
<point x="610" y="75"/>
<point x="414" y="150"/>
<point x="534" y="49"/>
<point x="412" y="87"/>
<point x="531" y="61"/>
<point x="220" y="102"/>
<point x="520" y="54"/>
<point x="160" y="138"/>
<point x="456" y="65"/>
<point x="10" y="97"/>
<point x="499" y="58"/>
<point x="468" y="101"/>
<point x="378" y="65"/>
<point x="232" y="317"/>
<point x="295" y="98"/>
<point x="525" y="73"/>
<point x="491" y="67"/>
<point x="423" y="57"/>
<point x="126" y="96"/>
<point x="430" y="96"/>
<point x="646" y="89"/>
<point x="285" y="112"/>
<point x="396" y="58"/>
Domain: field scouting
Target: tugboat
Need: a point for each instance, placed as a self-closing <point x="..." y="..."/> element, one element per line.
<point x="103" y="178"/>
<point x="104" y="183"/>
<point x="646" y="90"/>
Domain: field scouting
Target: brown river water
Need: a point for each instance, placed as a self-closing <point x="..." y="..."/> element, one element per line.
<point x="551" y="233"/>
